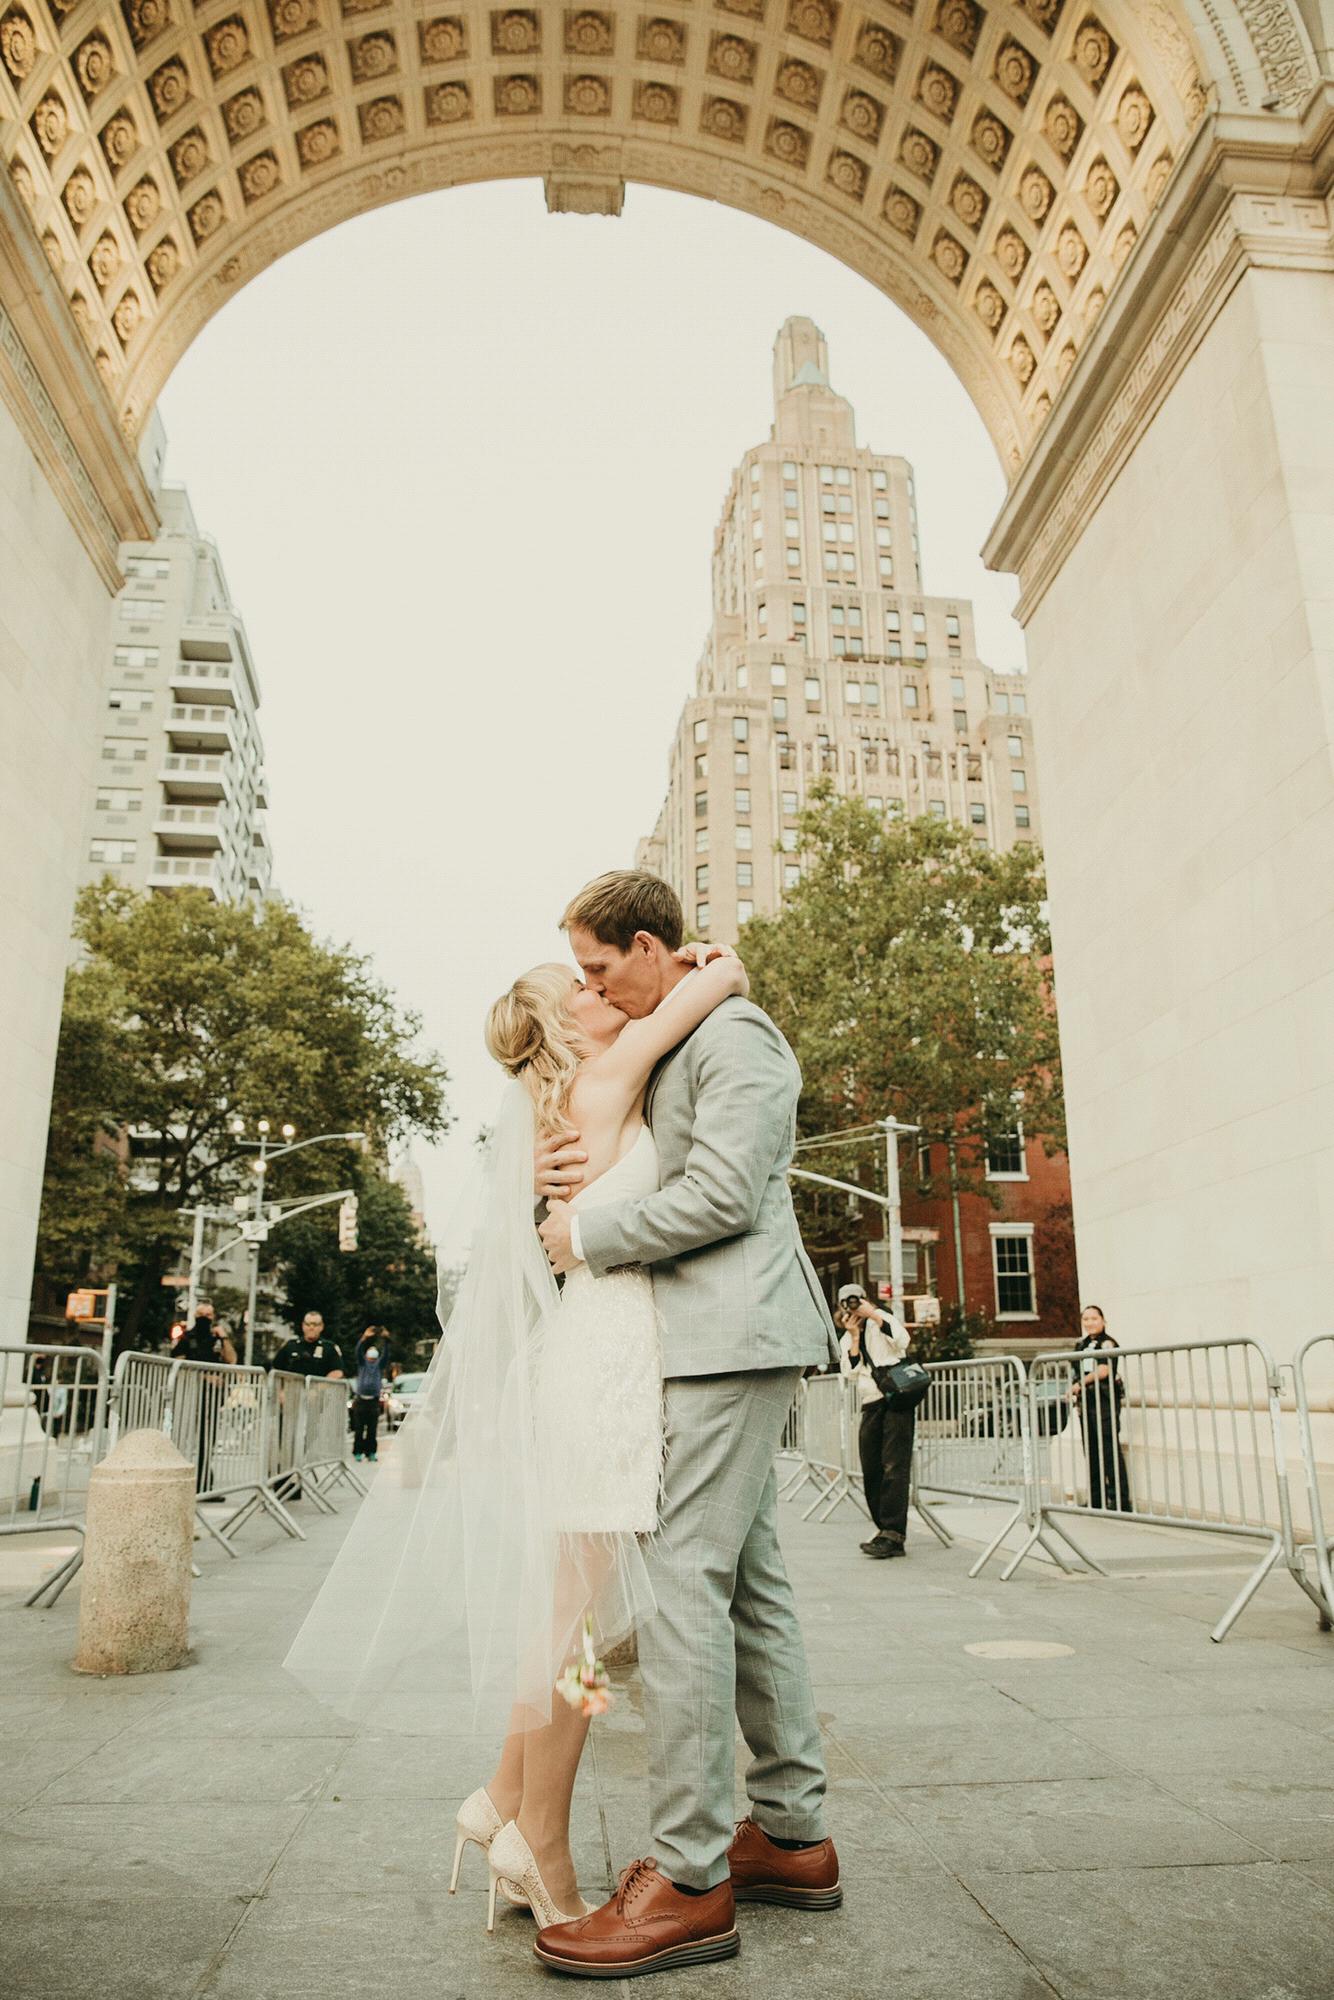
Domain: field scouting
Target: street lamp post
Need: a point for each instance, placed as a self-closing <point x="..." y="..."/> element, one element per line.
<point x="255" y="1228"/>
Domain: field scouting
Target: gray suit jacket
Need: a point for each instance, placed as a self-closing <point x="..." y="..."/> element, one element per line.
<point x="734" y="1288"/>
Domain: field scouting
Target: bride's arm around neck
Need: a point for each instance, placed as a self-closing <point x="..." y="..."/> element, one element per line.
<point x="628" y="1063"/>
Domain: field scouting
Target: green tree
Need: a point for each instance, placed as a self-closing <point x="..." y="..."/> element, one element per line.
<point x="182" y="1015"/>
<point x="910" y="970"/>
<point x="388" y="1280"/>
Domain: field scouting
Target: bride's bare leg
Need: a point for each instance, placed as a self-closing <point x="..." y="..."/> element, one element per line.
<point x="505" y="1789"/>
<point x="550" y="1761"/>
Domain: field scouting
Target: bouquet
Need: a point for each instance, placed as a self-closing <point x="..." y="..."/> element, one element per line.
<point x="585" y="1683"/>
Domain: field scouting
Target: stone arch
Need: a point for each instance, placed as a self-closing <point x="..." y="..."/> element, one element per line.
<point x="988" y="164"/>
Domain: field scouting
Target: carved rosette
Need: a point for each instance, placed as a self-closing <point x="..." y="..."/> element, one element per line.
<point x="662" y="42"/>
<point x="990" y="139"/>
<point x="901" y="212"/>
<point x="589" y="34"/>
<point x="863" y="116"/>
<point x="722" y="118"/>
<point x="989" y="306"/>
<point x="1021" y="360"/>
<point x="125" y="319"/>
<point x="259" y="176"/>
<point x="657" y="103"/>
<point x="1071" y="252"/>
<point x="813" y="20"/>
<point x="518" y="96"/>
<point x="188" y="156"/>
<point x="732" y="58"/>
<point x="120" y="140"/>
<point x="800" y="84"/>
<point x="442" y="40"/>
<point x="227" y="45"/>
<point x="373" y="56"/>
<point x="169" y="89"/>
<point x="949" y="257"/>
<point x="938" y="91"/>
<point x="1011" y="253"/>
<point x="968" y="202"/>
<point x="1124" y="244"/>
<point x="79" y="196"/>
<point x="448" y="104"/>
<point x="1159" y="175"/>
<point x="1134" y="115"/>
<point x="1044" y="14"/>
<point x="1046" y="309"/>
<point x="919" y="154"/>
<point x="878" y="51"/>
<point x="382" y="118"/>
<point x="244" y="115"/>
<point x="164" y="261"/>
<point x="290" y="18"/>
<point x="1035" y="194"/>
<point x="50" y="124"/>
<point x="1093" y="52"/>
<point x="1015" y="71"/>
<point x="588" y="96"/>
<point x="306" y="81"/>
<point x="848" y="174"/>
<point x="1101" y="189"/>
<point x="318" y="143"/>
<point x="787" y="142"/>
<point x="516" y="33"/>
<point x="22" y="178"/>
<point x="143" y="205"/>
<point x="958" y="22"/>
<point x="145" y="20"/>
<point x="1062" y="126"/>
<point x="1065" y="360"/>
<point x="207" y="216"/>
<point x="18" y="45"/>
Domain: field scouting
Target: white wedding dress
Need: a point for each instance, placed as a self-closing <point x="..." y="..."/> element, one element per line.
<point x="598" y="1396"/>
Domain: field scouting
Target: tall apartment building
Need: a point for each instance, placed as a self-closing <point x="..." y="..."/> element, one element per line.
<point x="180" y="798"/>
<point x="826" y="657"/>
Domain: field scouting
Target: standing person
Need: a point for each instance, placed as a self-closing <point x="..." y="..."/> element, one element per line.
<point x="312" y="1352"/>
<point x="203" y="1340"/>
<point x="370" y="1374"/>
<point x="742" y="1316"/>
<point x="1097" y="1393"/>
<point x="875" y="1339"/>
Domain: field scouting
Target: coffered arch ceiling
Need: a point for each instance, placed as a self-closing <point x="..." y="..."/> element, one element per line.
<point x="988" y="164"/>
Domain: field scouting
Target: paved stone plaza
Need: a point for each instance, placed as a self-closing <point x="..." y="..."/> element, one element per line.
<point x="1147" y="1815"/>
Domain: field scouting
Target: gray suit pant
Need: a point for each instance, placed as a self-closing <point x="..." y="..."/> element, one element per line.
<point x="725" y="1645"/>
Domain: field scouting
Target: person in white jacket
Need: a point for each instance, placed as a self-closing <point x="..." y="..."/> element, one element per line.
<point x="873" y="1338"/>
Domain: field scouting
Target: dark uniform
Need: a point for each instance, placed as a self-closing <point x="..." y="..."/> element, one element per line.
<point x="299" y="1356"/>
<point x="1100" y="1416"/>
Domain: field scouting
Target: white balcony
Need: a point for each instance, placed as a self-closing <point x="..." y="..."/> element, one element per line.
<point x="197" y="726"/>
<point x="186" y="871"/>
<point x="186" y="776"/>
<point x="189" y="829"/>
<point x="204" y="680"/>
<point x="209" y="638"/>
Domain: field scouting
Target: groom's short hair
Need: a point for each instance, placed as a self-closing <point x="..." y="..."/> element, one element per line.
<point x="626" y="900"/>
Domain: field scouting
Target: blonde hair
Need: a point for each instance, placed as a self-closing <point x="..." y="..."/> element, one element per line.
<point x="531" y="1035"/>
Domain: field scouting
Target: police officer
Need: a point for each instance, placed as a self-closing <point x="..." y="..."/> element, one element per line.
<point x="312" y="1352"/>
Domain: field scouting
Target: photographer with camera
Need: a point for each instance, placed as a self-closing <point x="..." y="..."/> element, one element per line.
<point x="873" y="1341"/>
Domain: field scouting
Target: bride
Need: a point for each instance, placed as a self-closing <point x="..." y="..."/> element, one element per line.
<point x="505" y="1529"/>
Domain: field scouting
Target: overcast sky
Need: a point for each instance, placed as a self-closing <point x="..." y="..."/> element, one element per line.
<point x="463" y="461"/>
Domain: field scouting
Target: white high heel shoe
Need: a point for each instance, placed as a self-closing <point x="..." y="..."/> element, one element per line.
<point x="478" y="1822"/>
<point x="510" y="1859"/>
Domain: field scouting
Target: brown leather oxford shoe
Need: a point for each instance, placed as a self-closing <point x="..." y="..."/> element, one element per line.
<point x="804" y="1878"/>
<point x="648" y="1926"/>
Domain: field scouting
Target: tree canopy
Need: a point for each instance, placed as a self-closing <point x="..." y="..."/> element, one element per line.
<point x="182" y="1015"/>
<point x="910" y="969"/>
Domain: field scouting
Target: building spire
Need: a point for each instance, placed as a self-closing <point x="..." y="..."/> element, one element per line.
<point x="806" y="408"/>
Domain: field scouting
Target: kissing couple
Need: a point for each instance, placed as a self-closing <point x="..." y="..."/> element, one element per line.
<point x="595" y="1459"/>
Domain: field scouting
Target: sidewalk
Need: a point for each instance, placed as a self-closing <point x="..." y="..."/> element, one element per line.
<point x="1056" y="1786"/>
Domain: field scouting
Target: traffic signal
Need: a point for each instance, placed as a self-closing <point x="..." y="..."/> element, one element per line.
<point x="347" y="1223"/>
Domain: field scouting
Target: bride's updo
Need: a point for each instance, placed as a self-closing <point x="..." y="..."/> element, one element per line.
<point x="531" y="1036"/>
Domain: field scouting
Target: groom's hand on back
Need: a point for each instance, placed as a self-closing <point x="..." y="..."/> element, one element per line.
<point x="555" y="1234"/>
<point x="558" y="1166"/>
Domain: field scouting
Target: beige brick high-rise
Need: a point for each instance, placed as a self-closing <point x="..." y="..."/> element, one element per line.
<point x="826" y="657"/>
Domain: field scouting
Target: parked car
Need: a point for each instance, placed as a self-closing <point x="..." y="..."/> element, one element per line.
<point x="399" y="1399"/>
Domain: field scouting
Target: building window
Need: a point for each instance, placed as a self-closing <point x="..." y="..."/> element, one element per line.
<point x="875" y="802"/>
<point x="702" y="730"/>
<point x="702" y="877"/>
<point x="743" y="675"/>
<point x="919" y="621"/>
<point x="840" y="645"/>
<point x="741" y="763"/>
<point x="880" y="481"/>
<point x="831" y="559"/>
<point x="789" y="802"/>
<point x="893" y="622"/>
<point x="793" y="558"/>
<point x="762" y="612"/>
<point x="830" y="531"/>
<point x="845" y="503"/>
<point x="791" y="874"/>
<point x="789" y="469"/>
<point x="1005" y="1156"/>
<point x="1012" y="1263"/>
<point x="745" y="910"/>
<point x="826" y="475"/>
<point x="701" y="917"/>
<point x="741" y="798"/>
<point x="701" y="805"/>
<point x="957" y="686"/>
<point x="740" y="729"/>
<point x="1000" y="701"/>
<point x="125" y="749"/>
<point x="951" y="625"/>
<point x="136" y="656"/>
<point x="849" y="563"/>
<point x="871" y="693"/>
<point x="936" y="807"/>
<point x="910" y="694"/>
<point x="745" y="839"/>
<point x="852" y="694"/>
<point x="114" y="853"/>
<point x="1016" y="744"/>
<point x="894" y="648"/>
<point x="887" y="568"/>
<point x="844" y="476"/>
<point x="799" y="614"/>
<point x="961" y="721"/>
<point x="745" y="874"/>
<point x="1019" y="704"/>
<point x="977" y="813"/>
<point x="780" y="708"/>
<point x="812" y="691"/>
<point x="119" y="801"/>
<point x="882" y="537"/>
<point x="790" y="499"/>
<point x="778" y="675"/>
<point x="1021" y="816"/>
<point x="1018" y="781"/>
<point x="130" y="701"/>
<point x="788" y="840"/>
<point x="919" y="650"/>
<point x="754" y="474"/>
<point x="701" y="840"/>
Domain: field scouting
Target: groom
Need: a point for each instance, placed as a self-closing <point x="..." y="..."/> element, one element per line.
<point x="742" y="1315"/>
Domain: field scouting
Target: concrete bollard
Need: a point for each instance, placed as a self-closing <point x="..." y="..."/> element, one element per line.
<point x="134" y="1607"/>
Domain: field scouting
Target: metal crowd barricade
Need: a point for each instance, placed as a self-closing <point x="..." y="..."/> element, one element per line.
<point x="829" y="1458"/>
<point x="218" y="1416"/>
<point x="1322" y="1536"/>
<point x="973" y="1442"/>
<point x="1192" y="1438"/>
<point x="51" y="1400"/>
<point x="141" y="1390"/>
<point x="324" y="1450"/>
